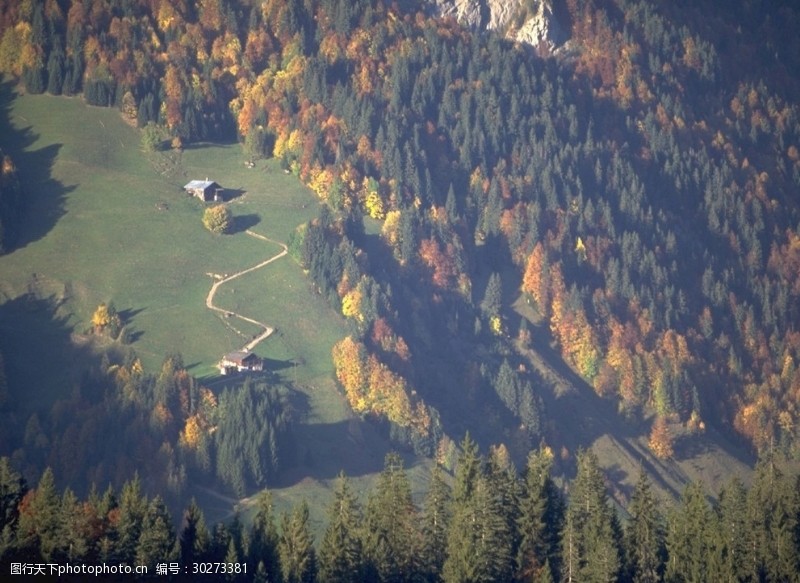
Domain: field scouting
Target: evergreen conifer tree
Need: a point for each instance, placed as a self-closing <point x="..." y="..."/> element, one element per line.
<point x="772" y="523"/>
<point x="263" y="541"/>
<point x="132" y="507"/>
<point x="39" y="532"/>
<point x="436" y="513"/>
<point x="296" y="547"/>
<point x="595" y="540"/>
<point x="55" y="71"/>
<point x="341" y="556"/>
<point x="75" y="529"/>
<point x="541" y="515"/>
<point x="390" y="535"/>
<point x="644" y="534"/>
<point x="472" y="520"/>
<point x="728" y="543"/>
<point x="688" y="532"/>
<point x="502" y="513"/>
<point x="194" y="542"/>
<point x="99" y="509"/>
<point x="12" y="490"/>
<point x="157" y="538"/>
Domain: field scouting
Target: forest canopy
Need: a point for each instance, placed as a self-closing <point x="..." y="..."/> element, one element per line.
<point x="636" y="188"/>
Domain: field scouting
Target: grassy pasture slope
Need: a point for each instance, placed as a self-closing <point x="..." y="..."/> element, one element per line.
<point x="98" y="235"/>
<point x="111" y="241"/>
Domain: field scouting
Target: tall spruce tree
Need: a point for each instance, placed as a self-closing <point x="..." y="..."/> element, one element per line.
<point x="644" y="534"/>
<point x="461" y="564"/>
<point x="157" y="538"/>
<point x="772" y="523"/>
<point x="132" y="507"/>
<point x="688" y="532"/>
<point x="99" y="509"/>
<point x="194" y="541"/>
<point x="596" y="533"/>
<point x="390" y="536"/>
<point x="296" y="547"/>
<point x="728" y="544"/>
<point x="540" y="519"/>
<point x="39" y="532"/>
<point x="341" y="557"/>
<point x="76" y="529"/>
<point x="436" y="513"/>
<point x="262" y="552"/>
<point x="55" y="71"/>
<point x="480" y="544"/>
<point x="12" y="489"/>
<point x="502" y="511"/>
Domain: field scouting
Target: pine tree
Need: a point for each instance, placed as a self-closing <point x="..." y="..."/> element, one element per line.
<point x="296" y="547"/>
<point x="540" y="520"/>
<point x="39" y="531"/>
<point x="571" y="555"/>
<point x="595" y="536"/>
<point x="157" y="538"/>
<point x="75" y="528"/>
<point x="502" y="513"/>
<point x="688" y="532"/>
<point x="99" y="510"/>
<point x="772" y="522"/>
<point x="728" y="544"/>
<point x="644" y="534"/>
<point x="232" y="556"/>
<point x="12" y="491"/>
<point x="478" y="544"/>
<point x="55" y="71"/>
<point x="194" y="542"/>
<point x="468" y="469"/>
<point x="493" y="297"/>
<point x="435" y="523"/>
<point x="341" y="556"/>
<point x="263" y="547"/>
<point x="390" y="534"/>
<point x="34" y="78"/>
<point x="132" y="507"/>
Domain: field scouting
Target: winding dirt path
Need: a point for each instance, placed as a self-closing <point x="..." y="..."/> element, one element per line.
<point x="268" y="330"/>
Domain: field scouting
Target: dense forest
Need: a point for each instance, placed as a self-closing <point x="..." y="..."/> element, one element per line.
<point x="629" y="199"/>
<point x="165" y="426"/>
<point x="492" y="525"/>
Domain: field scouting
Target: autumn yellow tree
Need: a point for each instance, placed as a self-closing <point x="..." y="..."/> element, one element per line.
<point x="218" y="219"/>
<point x="349" y="362"/>
<point x="106" y="320"/>
<point x="661" y="439"/>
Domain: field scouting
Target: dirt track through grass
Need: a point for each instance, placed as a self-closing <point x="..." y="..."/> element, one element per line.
<point x="268" y="330"/>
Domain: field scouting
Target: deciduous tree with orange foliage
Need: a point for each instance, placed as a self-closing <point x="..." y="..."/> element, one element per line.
<point x="661" y="439"/>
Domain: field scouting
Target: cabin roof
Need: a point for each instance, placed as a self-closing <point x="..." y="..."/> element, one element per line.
<point x="199" y="184"/>
<point x="239" y="356"/>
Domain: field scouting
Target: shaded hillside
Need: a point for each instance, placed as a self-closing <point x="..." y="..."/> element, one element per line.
<point x="637" y="188"/>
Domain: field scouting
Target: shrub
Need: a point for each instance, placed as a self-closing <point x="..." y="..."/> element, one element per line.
<point x="217" y="219"/>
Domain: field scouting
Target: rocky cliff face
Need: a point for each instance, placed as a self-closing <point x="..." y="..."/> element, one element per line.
<point x="528" y="21"/>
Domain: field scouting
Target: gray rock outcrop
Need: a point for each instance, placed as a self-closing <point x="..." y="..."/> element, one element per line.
<point x="531" y="22"/>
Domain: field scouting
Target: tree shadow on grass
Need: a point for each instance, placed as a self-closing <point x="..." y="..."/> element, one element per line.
<point x="241" y="223"/>
<point x="42" y="361"/>
<point x="43" y="196"/>
<point x="229" y="194"/>
<point x="324" y="450"/>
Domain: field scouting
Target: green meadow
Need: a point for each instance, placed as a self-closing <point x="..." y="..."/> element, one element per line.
<point x="112" y="223"/>
<point x="107" y="222"/>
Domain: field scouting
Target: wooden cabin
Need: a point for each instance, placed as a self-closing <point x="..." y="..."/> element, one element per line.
<point x="240" y="361"/>
<point x="206" y="190"/>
